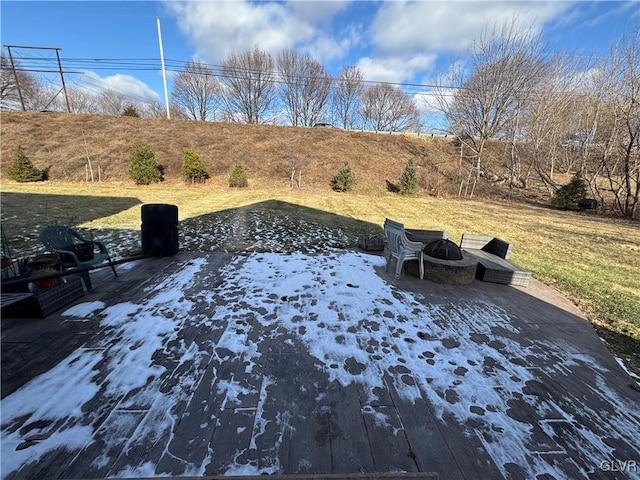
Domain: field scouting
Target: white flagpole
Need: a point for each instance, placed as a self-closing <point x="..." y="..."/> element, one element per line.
<point x="164" y="74"/>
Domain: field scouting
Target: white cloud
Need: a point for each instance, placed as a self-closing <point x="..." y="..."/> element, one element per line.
<point x="395" y="69"/>
<point x="401" y="27"/>
<point x="427" y="101"/>
<point x="316" y="11"/>
<point x="217" y="29"/>
<point x="392" y="41"/>
<point x="324" y="47"/>
<point x="123" y="84"/>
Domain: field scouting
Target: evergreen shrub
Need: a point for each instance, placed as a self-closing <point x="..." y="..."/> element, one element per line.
<point x="193" y="168"/>
<point x="143" y="167"/>
<point x="409" y="179"/>
<point x="238" y="177"/>
<point x="344" y="180"/>
<point x="567" y="196"/>
<point x="22" y="169"/>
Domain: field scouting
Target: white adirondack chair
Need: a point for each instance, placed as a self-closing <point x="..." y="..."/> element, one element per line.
<point x="401" y="248"/>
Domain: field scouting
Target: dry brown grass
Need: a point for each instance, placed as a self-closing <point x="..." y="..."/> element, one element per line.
<point x="62" y="142"/>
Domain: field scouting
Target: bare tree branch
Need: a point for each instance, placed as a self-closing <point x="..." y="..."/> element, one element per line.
<point x="347" y="95"/>
<point x="505" y="63"/>
<point x="249" y="90"/>
<point x="196" y="91"/>
<point x="305" y="87"/>
<point x="386" y="108"/>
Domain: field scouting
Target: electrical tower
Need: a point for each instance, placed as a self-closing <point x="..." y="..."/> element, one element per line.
<point x="15" y="74"/>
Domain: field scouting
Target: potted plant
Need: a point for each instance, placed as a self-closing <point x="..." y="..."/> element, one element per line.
<point x="46" y="283"/>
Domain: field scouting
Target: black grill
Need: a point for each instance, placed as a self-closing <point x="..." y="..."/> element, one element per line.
<point x="587" y="204"/>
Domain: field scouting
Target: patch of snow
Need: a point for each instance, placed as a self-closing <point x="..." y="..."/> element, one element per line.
<point x="84" y="311"/>
<point x="45" y="414"/>
<point x="624" y="367"/>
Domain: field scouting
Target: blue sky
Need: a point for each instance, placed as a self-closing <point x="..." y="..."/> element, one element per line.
<point x="395" y="41"/>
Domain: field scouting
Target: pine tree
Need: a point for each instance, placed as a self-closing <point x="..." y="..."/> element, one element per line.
<point x="344" y="180"/>
<point x="567" y="196"/>
<point x="238" y="177"/>
<point x="193" y="168"/>
<point x="130" y="111"/>
<point x="409" y="179"/>
<point x="143" y="167"/>
<point x="22" y="169"/>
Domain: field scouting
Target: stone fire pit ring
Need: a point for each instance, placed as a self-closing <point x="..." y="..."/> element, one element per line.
<point x="445" y="262"/>
<point x="455" y="272"/>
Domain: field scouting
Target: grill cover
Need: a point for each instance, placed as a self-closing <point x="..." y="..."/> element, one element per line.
<point x="443" y="249"/>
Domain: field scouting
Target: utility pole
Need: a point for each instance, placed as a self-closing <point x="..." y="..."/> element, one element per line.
<point x="64" y="87"/>
<point x="164" y="74"/>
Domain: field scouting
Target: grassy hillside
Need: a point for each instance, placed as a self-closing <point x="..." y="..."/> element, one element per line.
<point x="65" y="143"/>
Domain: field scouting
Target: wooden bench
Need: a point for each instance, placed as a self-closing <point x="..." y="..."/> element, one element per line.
<point x="494" y="265"/>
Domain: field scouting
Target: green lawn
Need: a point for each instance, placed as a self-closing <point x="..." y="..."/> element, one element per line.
<point x="592" y="260"/>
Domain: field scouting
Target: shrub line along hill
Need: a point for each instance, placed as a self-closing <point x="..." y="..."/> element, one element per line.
<point x="64" y="144"/>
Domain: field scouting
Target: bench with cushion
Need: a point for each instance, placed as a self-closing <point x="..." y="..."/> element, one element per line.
<point x="494" y="265"/>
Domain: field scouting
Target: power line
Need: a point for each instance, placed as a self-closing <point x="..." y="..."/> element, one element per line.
<point x="179" y="66"/>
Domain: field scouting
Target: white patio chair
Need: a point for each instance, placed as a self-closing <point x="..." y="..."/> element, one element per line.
<point x="401" y="248"/>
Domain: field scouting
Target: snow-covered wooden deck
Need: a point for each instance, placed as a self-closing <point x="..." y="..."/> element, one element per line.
<point x="213" y="364"/>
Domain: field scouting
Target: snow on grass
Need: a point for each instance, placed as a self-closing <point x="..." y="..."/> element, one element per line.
<point x="466" y="358"/>
<point x="256" y="232"/>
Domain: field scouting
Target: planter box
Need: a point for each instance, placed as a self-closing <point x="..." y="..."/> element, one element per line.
<point x="47" y="300"/>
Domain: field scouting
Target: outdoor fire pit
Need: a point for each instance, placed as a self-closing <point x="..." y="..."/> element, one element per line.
<point x="444" y="262"/>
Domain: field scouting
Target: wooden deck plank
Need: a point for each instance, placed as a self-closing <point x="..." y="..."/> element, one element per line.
<point x="231" y="441"/>
<point x="105" y="445"/>
<point x="350" y="447"/>
<point x="388" y="440"/>
<point x="207" y="410"/>
<point x="284" y="416"/>
<point x="51" y="465"/>
<point x="298" y="394"/>
<point x="426" y="441"/>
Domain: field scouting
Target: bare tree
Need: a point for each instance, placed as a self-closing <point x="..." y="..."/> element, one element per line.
<point x="29" y="85"/>
<point x="386" y="108"/>
<point x="83" y="101"/>
<point x="347" y="95"/>
<point x="549" y="120"/>
<point x="111" y="102"/>
<point x="33" y="93"/>
<point x="196" y="90"/>
<point x="505" y="63"/>
<point x="44" y="98"/>
<point x="618" y="88"/>
<point x="249" y="90"/>
<point x="305" y="87"/>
